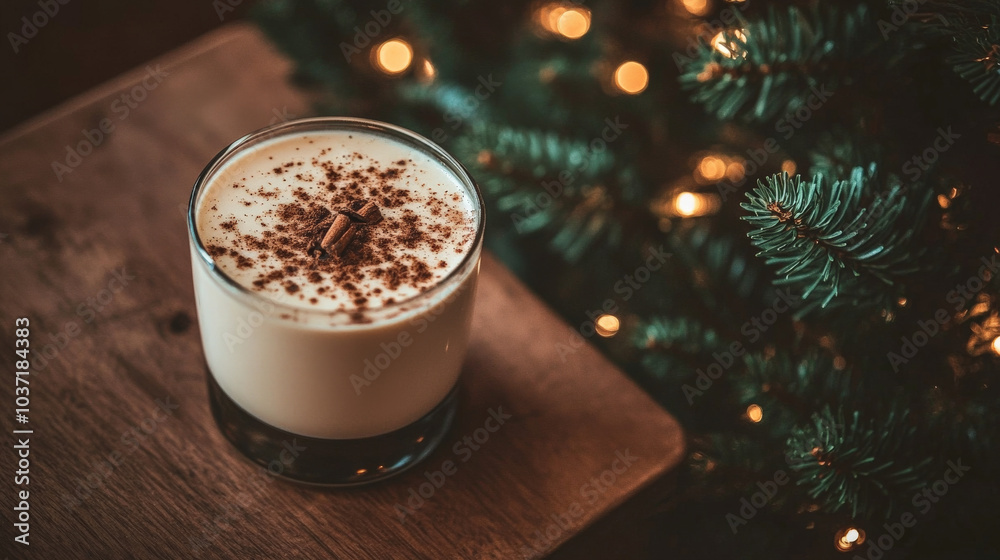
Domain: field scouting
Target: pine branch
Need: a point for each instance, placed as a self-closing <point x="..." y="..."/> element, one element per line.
<point x="770" y="66"/>
<point x="546" y="182"/>
<point x="677" y="334"/>
<point x="534" y="154"/>
<point x="865" y="467"/>
<point x="827" y="243"/>
<point x="977" y="58"/>
<point x="972" y="29"/>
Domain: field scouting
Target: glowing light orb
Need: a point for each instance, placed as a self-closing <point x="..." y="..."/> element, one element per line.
<point x="607" y="325"/>
<point x="394" y="56"/>
<point x="573" y="23"/>
<point x="631" y="77"/>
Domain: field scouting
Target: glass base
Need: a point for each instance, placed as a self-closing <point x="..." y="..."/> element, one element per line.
<point x="330" y="462"/>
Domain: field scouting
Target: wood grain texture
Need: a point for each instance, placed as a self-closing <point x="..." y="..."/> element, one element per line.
<point x="98" y="262"/>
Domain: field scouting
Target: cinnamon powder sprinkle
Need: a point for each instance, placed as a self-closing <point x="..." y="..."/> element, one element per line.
<point x="291" y="233"/>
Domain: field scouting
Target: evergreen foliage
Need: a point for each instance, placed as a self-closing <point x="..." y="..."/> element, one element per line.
<point x="857" y="465"/>
<point x="827" y="243"/>
<point x="861" y="139"/>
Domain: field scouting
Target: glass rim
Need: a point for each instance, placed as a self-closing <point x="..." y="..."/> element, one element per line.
<point x="400" y="134"/>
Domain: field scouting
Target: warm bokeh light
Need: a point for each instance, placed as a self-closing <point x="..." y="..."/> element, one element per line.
<point x="788" y="166"/>
<point x="729" y="43"/>
<point x="565" y="20"/>
<point x="688" y="204"/>
<point x="573" y="23"/>
<point x="711" y="168"/>
<point x="735" y="171"/>
<point x="696" y="7"/>
<point x="549" y="14"/>
<point x="607" y="325"/>
<point x="849" y="538"/>
<point x="996" y="345"/>
<point x="755" y="413"/>
<point x="394" y="56"/>
<point x="631" y="77"/>
<point x="428" y="71"/>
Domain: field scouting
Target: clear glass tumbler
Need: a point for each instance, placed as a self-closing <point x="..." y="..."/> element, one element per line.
<point x="310" y="394"/>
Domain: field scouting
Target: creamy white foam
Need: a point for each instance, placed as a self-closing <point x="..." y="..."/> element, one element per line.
<point x="250" y="219"/>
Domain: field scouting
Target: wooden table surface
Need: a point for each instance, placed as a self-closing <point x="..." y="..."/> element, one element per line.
<point x="125" y="461"/>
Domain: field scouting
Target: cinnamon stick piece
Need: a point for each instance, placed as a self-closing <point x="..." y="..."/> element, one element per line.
<point x="339" y="235"/>
<point x="356" y="214"/>
<point x="363" y="211"/>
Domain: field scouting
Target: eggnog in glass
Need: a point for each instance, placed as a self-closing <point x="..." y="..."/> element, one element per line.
<point x="335" y="263"/>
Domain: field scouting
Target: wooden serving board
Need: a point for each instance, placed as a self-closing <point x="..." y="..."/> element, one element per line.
<point x="125" y="461"/>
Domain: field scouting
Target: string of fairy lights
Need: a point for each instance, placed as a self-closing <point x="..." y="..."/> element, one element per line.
<point x="686" y="197"/>
<point x="563" y="21"/>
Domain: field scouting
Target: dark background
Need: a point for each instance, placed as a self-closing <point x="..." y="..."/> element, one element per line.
<point x="90" y="41"/>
